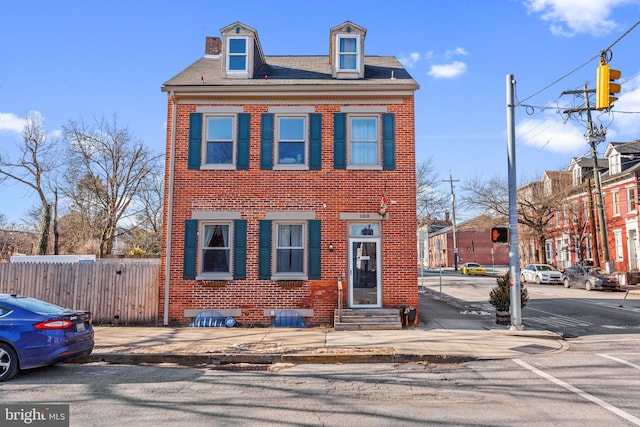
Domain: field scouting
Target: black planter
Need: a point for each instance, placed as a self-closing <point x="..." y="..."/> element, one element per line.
<point x="503" y="317"/>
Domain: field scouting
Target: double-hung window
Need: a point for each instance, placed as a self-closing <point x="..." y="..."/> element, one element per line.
<point x="290" y="248"/>
<point x="220" y="136"/>
<point x="216" y="249"/>
<point x="615" y="203"/>
<point x="237" y="54"/>
<point x="631" y="199"/>
<point x="348" y="53"/>
<point x="364" y="141"/>
<point x="291" y="147"/>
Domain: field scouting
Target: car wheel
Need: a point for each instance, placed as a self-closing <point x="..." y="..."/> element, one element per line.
<point x="566" y="283"/>
<point x="538" y="280"/>
<point x="522" y="279"/>
<point x="8" y="362"/>
<point x="587" y="285"/>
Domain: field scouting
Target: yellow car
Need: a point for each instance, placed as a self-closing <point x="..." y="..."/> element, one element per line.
<point x="472" y="268"/>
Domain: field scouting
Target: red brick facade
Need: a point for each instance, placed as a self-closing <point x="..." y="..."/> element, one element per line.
<point x="335" y="197"/>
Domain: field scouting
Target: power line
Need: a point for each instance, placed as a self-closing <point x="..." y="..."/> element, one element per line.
<point x="581" y="66"/>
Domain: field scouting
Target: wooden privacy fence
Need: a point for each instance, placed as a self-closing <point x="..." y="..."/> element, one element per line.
<point x="116" y="292"/>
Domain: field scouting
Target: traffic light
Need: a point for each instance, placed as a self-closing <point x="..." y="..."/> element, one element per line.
<point x="606" y="86"/>
<point x="500" y="234"/>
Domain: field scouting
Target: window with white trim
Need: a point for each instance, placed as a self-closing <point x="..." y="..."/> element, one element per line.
<point x="290" y="248"/>
<point x="348" y="53"/>
<point x="577" y="175"/>
<point x="615" y="165"/>
<point x="549" y="250"/>
<point x="364" y="141"/>
<point x="585" y="205"/>
<point x="631" y="199"/>
<point x="216" y="247"/>
<point x="237" y="54"/>
<point x="292" y="141"/>
<point x="615" y="203"/>
<point x="219" y="140"/>
<point x="617" y="238"/>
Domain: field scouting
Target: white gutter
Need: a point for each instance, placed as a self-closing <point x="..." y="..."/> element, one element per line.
<point x="168" y="225"/>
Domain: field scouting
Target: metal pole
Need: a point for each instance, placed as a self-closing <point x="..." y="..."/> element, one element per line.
<point x="453" y="211"/>
<point x="514" y="267"/>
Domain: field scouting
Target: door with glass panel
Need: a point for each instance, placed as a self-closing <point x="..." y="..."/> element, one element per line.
<point x="365" y="270"/>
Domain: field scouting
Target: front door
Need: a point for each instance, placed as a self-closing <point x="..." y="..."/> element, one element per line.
<point x="364" y="273"/>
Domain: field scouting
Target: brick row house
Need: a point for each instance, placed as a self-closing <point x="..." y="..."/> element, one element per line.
<point x="573" y="233"/>
<point x="285" y="176"/>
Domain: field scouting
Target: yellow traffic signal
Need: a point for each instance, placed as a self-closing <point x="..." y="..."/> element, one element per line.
<point x="606" y="86"/>
<point x="500" y="234"/>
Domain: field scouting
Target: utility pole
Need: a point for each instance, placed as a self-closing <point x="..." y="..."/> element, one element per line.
<point x="514" y="252"/>
<point x="594" y="136"/>
<point x="453" y="211"/>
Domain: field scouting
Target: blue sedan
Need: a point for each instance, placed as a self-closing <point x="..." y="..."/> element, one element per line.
<point x="36" y="333"/>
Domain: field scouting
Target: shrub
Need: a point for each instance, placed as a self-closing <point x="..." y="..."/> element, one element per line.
<point x="500" y="297"/>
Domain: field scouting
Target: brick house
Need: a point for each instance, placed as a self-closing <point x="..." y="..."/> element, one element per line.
<point x="473" y="238"/>
<point x="573" y="234"/>
<point x="285" y="176"/>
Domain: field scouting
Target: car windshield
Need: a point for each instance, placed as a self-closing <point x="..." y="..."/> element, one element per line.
<point x="473" y="265"/>
<point x="546" y="268"/>
<point x="595" y="271"/>
<point x="39" y="306"/>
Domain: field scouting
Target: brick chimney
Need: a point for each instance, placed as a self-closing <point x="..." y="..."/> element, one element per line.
<point x="213" y="46"/>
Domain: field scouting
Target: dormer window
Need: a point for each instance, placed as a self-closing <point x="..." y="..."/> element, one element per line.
<point x="577" y="175"/>
<point x="237" y="55"/>
<point x="242" y="55"/>
<point x="348" y="53"/>
<point x="614" y="164"/>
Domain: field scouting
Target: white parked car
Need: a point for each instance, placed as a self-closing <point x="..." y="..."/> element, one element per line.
<point x="540" y="273"/>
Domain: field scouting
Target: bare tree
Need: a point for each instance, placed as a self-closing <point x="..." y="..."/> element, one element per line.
<point x="106" y="162"/>
<point x="35" y="168"/>
<point x="535" y="207"/>
<point x="430" y="203"/>
<point x="145" y="234"/>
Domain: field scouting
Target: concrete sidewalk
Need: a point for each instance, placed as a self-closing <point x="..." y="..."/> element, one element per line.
<point x="449" y="334"/>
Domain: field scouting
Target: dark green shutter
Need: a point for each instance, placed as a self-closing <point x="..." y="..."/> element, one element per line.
<point x="240" y="249"/>
<point x="388" y="142"/>
<point x="266" y="142"/>
<point x="264" y="250"/>
<point x="315" y="241"/>
<point x="242" y="162"/>
<point x="190" y="249"/>
<point x="315" y="142"/>
<point x="339" y="141"/>
<point x="195" y="140"/>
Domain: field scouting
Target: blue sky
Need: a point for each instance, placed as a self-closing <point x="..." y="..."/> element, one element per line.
<point x="88" y="59"/>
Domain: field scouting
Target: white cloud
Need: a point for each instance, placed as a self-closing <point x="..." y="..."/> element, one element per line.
<point x="409" y="60"/>
<point x="11" y="123"/>
<point x="448" y="71"/>
<point x="459" y="51"/>
<point x="552" y="134"/>
<point x="569" y="17"/>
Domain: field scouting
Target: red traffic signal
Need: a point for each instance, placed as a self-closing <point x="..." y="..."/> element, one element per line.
<point x="500" y="234"/>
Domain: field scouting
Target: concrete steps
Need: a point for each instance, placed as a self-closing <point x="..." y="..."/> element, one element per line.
<point x="367" y="319"/>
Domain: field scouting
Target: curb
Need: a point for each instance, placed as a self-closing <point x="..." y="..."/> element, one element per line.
<point x="267" y="359"/>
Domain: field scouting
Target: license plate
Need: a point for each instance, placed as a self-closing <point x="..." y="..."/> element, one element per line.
<point x="80" y="327"/>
